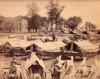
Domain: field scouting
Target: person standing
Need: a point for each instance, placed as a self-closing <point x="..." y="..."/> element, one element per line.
<point x="57" y="68"/>
<point x="53" y="36"/>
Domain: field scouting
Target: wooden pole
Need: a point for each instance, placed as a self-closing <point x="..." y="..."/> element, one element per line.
<point x="71" y="47"/>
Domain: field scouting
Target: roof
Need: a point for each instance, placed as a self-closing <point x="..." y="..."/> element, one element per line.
<point x="33" y="58"/>
<point x="47" y="46"/>
<point x="51" y="46"/>
<point x="15" y="42"/>
<point x="24" y="43"/>
<point x="87" y="45"/>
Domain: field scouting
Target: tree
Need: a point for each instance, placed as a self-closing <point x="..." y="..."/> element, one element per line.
<point x="44" y="22"/>
<point x="73" y="22"/>
<point x="34" y="23"/>
<point x="61" y="23"/>
<point x="8" y="25"/>
<point x="54" y="13"/>
<point x="32" y="9"/>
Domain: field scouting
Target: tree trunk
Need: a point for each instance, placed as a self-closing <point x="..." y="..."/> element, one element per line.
<point x="51" y="29"/>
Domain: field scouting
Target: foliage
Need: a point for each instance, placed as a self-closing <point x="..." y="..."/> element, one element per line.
<point x="32" y="9"/>
<point x="8" y="25"/>
<point x="61" y="21"/>
<point x="54" y="14"/>
<point x="36" y="22"/>
<point x="73" y="22"/>
<point x="44" y="22"/>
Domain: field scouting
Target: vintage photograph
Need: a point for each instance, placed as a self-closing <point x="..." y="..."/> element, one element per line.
<point x="49" y="39"/>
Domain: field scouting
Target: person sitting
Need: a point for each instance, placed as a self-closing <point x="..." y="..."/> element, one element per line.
<point x="37" y="76"/>
<point x="13" y="68"/>
<point x="12" y="71"/>
<point x="47" y="40"/>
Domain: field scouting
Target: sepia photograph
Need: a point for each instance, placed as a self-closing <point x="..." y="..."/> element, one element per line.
<point x="49" y="39"/>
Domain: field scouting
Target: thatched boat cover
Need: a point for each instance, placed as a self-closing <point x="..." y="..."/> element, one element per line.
<point x="87" y="46"/>
<point x="24" y="43"/>
<point x="47" y="46"/>
<point x="32" y="60"/>
<point x="15" y="42"/>
<point x="51" y="46"/>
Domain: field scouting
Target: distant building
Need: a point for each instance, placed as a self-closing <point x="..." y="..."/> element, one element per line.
<point x="17" y="24"/>
<point x="90" y="27"/>
<point x="21" y="24"/>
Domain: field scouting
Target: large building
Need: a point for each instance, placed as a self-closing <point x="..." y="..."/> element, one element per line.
<point x="21" y="24"/>
<point x="17" y="24"/>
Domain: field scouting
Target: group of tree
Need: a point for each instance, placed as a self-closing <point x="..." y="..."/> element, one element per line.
<point x="73" y="22"/>
<point x="35" y="21"/>
<point x="8" y="25"/>
<point x="54" y="12"/>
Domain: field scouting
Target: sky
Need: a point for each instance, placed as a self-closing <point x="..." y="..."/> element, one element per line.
<point x="88" y="10"/>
